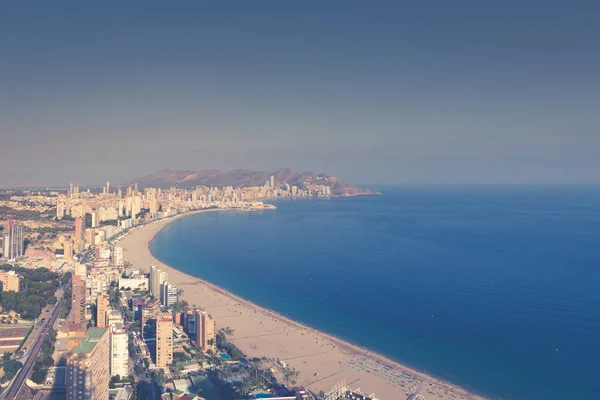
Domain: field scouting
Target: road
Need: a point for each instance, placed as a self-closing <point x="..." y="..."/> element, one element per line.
<point x="19" y="379"/>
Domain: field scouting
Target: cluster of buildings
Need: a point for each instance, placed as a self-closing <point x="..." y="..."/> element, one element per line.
<point x="200" y="328"/>
<point x="98" y="332"/>
<point x="95" y="353"/>
<point x="165" y="292"/>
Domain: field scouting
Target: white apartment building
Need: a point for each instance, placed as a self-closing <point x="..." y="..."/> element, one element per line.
<point x="119" y="353"/>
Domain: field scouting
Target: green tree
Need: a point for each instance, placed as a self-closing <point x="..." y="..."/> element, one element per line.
<point x="11" y="367"/>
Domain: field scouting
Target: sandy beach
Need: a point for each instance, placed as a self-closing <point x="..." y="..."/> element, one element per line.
<point x="321" y="359"/>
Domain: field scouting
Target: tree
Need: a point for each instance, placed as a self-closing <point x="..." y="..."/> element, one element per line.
<point x="113" y="381"/>
<point x="159" y="375"/>
<point x="180" y="306"/>
<point x="138" y="370"/>
<point x="11" y="367"/>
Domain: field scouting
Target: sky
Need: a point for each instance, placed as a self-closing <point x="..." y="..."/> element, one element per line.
<point x="415" y="92"/>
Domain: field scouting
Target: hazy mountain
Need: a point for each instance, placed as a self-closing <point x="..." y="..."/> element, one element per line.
<point x="167" y="178"/>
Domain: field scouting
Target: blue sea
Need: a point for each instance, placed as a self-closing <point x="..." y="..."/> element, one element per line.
<point x="496" y="289"/>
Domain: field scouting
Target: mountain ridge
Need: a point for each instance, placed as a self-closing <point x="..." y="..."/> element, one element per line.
<point x="188" y="179"/>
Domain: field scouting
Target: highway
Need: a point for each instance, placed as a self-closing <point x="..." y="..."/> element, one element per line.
<point x="19" y="379"/>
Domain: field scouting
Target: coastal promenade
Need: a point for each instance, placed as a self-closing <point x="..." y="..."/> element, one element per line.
<point x="321" y="359"/>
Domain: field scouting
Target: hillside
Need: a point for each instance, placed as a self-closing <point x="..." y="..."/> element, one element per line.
<point x="167" y="178"/>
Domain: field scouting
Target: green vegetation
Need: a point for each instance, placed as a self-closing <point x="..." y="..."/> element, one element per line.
<point x="10" y="367"/>
<point x="113" y="298"/>
<point x="224" y="344"/>
<point x="117" y="379"/>
<point x="39" y="286"/>
<point x="21" y="215"/>
<point x="66" y="307"/>
<point x="180" y="306"/>
<point x="159" y="375"/>
<point x="44" y="360"/>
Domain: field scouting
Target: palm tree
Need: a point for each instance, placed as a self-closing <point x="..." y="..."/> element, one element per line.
<point x="228" y="331"/>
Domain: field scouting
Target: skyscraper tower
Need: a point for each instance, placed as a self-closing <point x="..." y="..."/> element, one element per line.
<point x="88" y="366"/>
<point x="101" y="310"/>
<point x="157" y="278"/>
<point x="272" y="181"/>
<point x="164" y="340"/>
<point x="14" y="240"/>
<point x="79" y="229"/>
<point x="205" y="331"/>
<point x="107" y="187"/>
<point x="78" y="284"/>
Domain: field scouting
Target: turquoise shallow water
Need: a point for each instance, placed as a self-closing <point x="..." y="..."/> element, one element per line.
<point x="496" y="289"/>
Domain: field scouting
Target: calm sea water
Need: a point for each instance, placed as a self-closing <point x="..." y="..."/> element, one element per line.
<point x="496" y="289"/>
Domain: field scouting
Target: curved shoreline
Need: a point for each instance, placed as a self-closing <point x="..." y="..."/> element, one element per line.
<point x="260" y="331"/>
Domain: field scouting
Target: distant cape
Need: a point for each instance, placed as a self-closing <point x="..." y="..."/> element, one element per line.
<point x="238" y="178"/>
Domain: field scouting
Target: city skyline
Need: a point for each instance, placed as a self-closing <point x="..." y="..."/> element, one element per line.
<point x="375" y="93"/>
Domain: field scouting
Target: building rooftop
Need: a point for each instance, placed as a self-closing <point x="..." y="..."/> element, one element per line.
<point x="90" y="340"/>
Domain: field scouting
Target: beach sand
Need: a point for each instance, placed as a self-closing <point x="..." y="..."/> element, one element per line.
<point x="322" y="360"/>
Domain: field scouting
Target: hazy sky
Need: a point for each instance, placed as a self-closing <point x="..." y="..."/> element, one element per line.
<point x="399" y="92"/>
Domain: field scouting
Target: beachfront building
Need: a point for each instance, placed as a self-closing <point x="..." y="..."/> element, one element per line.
<point x="148" y="310"/>
<point x="206" y="331"/>
<point x="157" y="278"/>
<point x="88" y="366"/>
<point x="10" y="281"/>
<point x="117" y="256"/>
<point x="119" y="353"/>
<point x="169" y="294"/>
<point x="164" y="341"/>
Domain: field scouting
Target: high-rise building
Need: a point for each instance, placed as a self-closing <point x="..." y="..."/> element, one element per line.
<point x="5" y="245"/>
<point x="79" y="227"/>
<point x="157" y="278"/>
<point x="107" y="187"/>
<point x="206" y="331"/>
<point x="90" y="237"/>
<point x="169" y="294"/>
<point x="88" y="366"/>
<point x="80" y="270"/>
<point x="95" y="220"/>
<point x="102" y="253"/>
<point x="10" y="281"/>
<point x="136" y="206"/>
<point x="60" y="208"/>
<point x="272" y="181"/>
<point x="117" y="259"/>
<point x="101" y="310"/>
<point x="164" y="341"/>
<point x="153" y="204"/>
<point x="149" y="310"/>
<point x="119" y="352"/>
<point x="14" y="241"/>
<point x="68" y="249"/>
<point x="78" y="303"/>
<point x="189" y="324"/>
